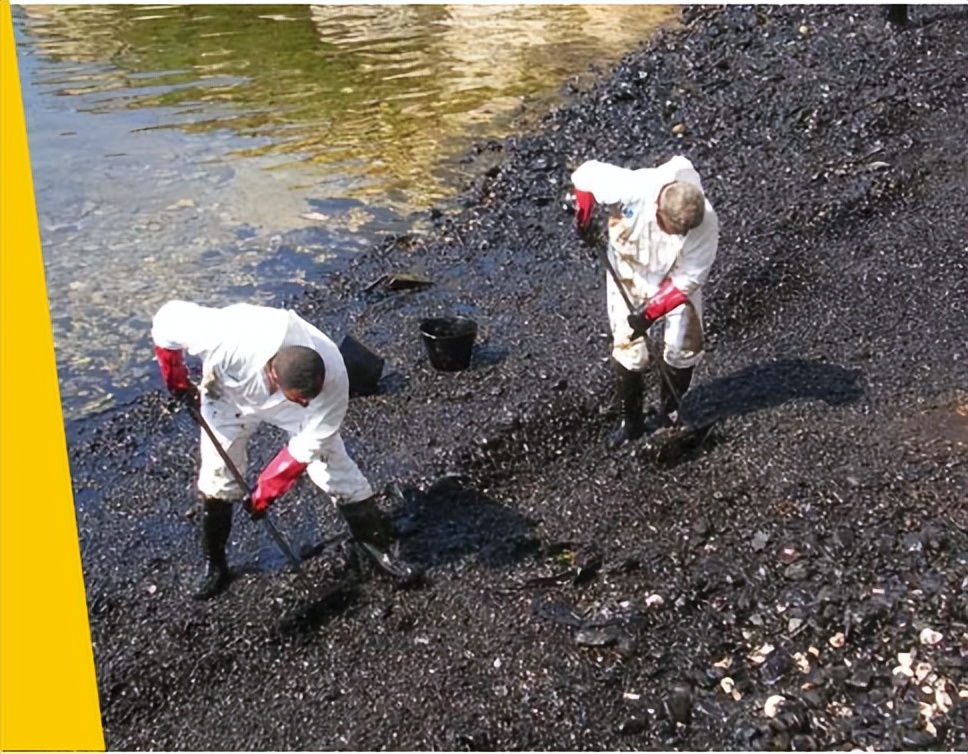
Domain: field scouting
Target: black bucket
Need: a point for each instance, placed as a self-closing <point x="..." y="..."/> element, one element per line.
<point x="449" y="341"/>
<point x="362" y="366"/>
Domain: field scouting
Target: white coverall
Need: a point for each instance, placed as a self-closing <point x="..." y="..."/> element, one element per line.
<point x="235" y="343"/>
<point x="643" y="255"/>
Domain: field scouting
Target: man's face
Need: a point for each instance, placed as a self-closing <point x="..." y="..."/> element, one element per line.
<point x="296" y="396"/>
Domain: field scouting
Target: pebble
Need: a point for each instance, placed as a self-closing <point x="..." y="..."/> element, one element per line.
<point x="918" y="739"/>
<point x="797" y="571"/>
<point x="633" y="726"/>
<point x="679" y="703"/>
<point x="860" y="679"/>
<point x="930" y="637"/>
<point x="760" y="540"/>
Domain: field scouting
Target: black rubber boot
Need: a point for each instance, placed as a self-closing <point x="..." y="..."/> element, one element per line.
<point x="671" y="396"/>
<point x="216" y="525"/>
<point x="372" y="529"/>
<point x="667" y="413"/>
<point x="629" y="391"/>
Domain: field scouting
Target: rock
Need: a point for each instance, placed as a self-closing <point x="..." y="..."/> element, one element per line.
<point x="633" y="726"/>
<point x="796" y="571"/>
<point x="701" y="526"/>
<point x="678" y="703"/>
<point x="777" y="665"/>
<point x="918" y="739"/>
<point x="860" y="679"/>
<point x="930" y="637"/>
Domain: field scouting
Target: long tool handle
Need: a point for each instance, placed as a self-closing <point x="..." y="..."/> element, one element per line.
<point x="659" y="363"/>
<point x="283" y="544"/>
<point x="200" y="421"/>
<point x="618" y="283"/>
<point x="273" y="530"/>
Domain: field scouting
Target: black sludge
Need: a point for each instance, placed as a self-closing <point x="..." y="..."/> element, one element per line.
<point x="795" y="579"/>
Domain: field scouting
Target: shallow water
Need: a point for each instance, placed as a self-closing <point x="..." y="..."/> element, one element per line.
<point x="226" y="152"/>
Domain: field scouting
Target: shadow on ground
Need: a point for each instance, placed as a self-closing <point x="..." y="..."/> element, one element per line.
<point x="764" y="386"/>
<point x="453" y="521"/>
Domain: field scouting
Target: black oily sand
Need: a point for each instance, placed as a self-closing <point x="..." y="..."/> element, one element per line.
<point x="812" y="546"/>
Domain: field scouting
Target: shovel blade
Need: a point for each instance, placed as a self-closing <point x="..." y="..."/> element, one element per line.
<point x="404" y="573"/>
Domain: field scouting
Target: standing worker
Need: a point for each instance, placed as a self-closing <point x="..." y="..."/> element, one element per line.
<point x="662" y="241"/>
<point x="261" y="364"/>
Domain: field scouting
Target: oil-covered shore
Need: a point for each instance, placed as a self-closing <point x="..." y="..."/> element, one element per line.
<point x="812" y="547"/>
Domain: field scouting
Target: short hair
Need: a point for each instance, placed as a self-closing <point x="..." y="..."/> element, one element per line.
<point x="299" y="368"/>
<point x="684" y="204"/>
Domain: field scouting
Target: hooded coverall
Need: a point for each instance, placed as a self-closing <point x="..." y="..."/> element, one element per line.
<point x="643" y="255"/>
<point x="235" y="343"/>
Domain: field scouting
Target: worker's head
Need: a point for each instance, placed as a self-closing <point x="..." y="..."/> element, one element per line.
<point x="299" y="372"/>
<point x="680" y="207"/>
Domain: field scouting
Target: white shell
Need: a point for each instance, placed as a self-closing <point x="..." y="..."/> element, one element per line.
<point x="772" y="705"/>
<point x="930" y="636"/>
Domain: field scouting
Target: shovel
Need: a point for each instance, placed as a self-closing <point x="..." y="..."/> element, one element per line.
<point x="270" y="526"/>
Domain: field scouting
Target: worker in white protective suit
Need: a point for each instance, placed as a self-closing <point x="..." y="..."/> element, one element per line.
<point x="662" y="240"/>
<point x="261" y="364"/>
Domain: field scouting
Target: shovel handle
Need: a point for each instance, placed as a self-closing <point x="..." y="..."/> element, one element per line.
<point x="271" y="527"/>
<point x="200" y="421"/>
<point x="650" y="346"/>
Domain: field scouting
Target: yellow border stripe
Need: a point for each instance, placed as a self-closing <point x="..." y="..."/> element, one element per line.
<point x="49" y="694"/>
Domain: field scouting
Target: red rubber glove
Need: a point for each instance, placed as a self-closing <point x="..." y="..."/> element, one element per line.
<point x="277" y="479"/>
<point x="667" y="298"/>
<point x="173" y="370"/>
<point x="584" y="204"/>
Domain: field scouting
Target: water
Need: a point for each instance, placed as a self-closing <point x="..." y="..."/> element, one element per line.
<point x="176" y="150"/>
